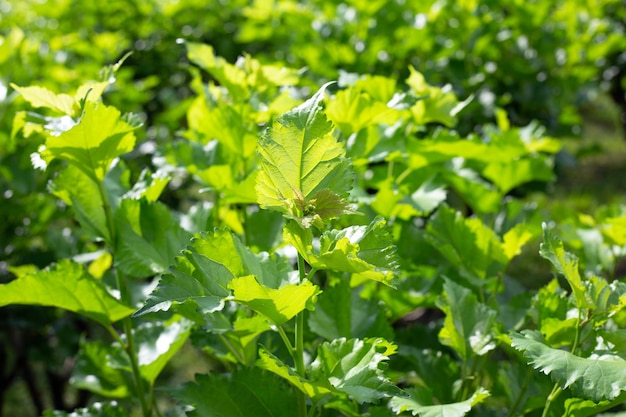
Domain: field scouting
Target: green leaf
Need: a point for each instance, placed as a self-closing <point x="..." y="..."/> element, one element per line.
<point x="423" y="407"/>
<point x="314" y="390"/>
<point x="467" y="244"/>
<point x="510" y="174"/>
<point x="355" y="367"/>
<point x="80" y="191"/>
<point x="92" y="144"/>
<point x="278" y="305"/>
<point x="469" y="325"/>
<point x="228" y="75"/>
<point x="300" y="158"/>
<point x="244" y="393"/>
<point x="42" y="97"/>
<point x="353" y="110"/>
<point x="341" y="312"/>
<point x="577" y="407"/>
<point x="566" y="264"/>
<point x="97" y="409"/>
<point x="202" y="273"/>
<point x="364" y="250"/>
<point x="599" y="378"/>
<point x="158" y="343"/>
<point x="95" y="372"/>
<point x="67" y="285"/>
<point x="148" y="238"/>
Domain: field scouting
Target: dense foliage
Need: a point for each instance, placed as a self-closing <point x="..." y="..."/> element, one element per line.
<point x="292" y="192"/>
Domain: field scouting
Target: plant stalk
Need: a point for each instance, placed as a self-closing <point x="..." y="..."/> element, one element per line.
<point x="122" y="286"/>
<point x="299" y="345"/>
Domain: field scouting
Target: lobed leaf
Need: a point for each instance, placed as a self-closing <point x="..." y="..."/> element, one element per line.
<point x="299" y="158"/>
<point x="469" y="325"/>
<point x="93" y="143"/>
<point x="244" y="393"/>
<point x="566" y="264"/>
<point x="598" y="378"/>
<point x="355" y="367"/>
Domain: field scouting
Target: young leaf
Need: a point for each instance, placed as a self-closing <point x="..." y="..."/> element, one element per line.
<point x="355" y="367"/>
<point x="68" y="286"/>
<point x="92" y="144"/>
<point x="566" y="264"/>
<point x="314" y="390"/>
<point x="364" y="250"/>
<point x="469" y="325"/>
<point x="279" y="305"/>
<point x="244" y="393"/>
<point x="299" y="158"/>
<point x="42" y="97"/>
<point x="423" y="407"/>
<point x="599" y="378"/>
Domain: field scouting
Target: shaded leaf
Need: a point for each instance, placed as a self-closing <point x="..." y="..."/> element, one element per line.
<point x="469" y="325"/>
<point x="565" y="263"/>
<point x="244" y="393"/>
<point x="355" y="367"/>
<point x="97" y="409"/>
<point x="599" y="378"/>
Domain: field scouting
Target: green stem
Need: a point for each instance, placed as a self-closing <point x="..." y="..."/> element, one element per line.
<point x="122" y="286"/>
<point x="231" y="348"/>
<point x="556" y="390"/>
<point x="299" y="345"/>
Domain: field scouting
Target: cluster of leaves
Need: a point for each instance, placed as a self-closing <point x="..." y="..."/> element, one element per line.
<point x="324" y="259"/>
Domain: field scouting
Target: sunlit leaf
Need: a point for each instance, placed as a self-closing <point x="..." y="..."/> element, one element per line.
<point x="92" y="144"/>
<point x="417" y="405"/>
<point x="66" y="285"/>
<point x="278" y="305"/>
<point x="299" y="158"/>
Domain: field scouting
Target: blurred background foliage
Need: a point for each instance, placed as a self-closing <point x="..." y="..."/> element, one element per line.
<point x="559" y="62"/>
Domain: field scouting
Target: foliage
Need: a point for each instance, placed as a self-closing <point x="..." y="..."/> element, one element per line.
<point x="329" y="248"/>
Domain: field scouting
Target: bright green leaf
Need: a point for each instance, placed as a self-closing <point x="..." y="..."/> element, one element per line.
<point x="92" y="144"/>
<point x="418" y="406"/>
<point x="299" y="158"/>
<point x="68" y="286"/>
<point x="42" y="97"/>
<point x="313" y="390"/>
<point x="278" y="305"/>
